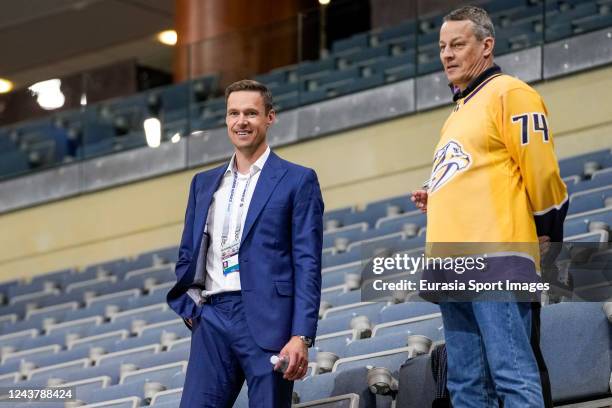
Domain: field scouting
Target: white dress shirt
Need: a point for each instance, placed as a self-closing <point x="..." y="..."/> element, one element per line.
<point x="216" y="282"/>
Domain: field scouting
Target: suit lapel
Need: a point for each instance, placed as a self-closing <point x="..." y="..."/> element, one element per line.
<point x="209" y="186"/>
<point x="271" y="174"/>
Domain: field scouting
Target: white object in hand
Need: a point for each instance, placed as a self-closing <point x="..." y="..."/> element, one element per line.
<point x="284" y="363"/>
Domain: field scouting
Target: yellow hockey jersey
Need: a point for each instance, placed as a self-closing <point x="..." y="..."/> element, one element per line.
<point x="495" y="176"/>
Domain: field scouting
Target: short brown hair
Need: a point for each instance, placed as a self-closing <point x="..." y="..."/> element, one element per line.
<point x="250" y="85"/>
<point x="482" y="24"/>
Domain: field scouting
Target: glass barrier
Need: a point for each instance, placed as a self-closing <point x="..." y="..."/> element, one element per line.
<point x="344" y="47"/>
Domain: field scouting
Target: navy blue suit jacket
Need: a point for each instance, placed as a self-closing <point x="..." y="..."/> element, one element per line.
<point x="280" y="251"/>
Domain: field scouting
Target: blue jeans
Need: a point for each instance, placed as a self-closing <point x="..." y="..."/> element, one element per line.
<point x="490" y="355"/>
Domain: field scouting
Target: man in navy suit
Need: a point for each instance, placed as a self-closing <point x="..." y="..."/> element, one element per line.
<point x="249" y="267"/>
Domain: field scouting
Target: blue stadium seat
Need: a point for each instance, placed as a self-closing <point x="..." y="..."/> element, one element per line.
<point x="160" y="274"/>
<point x="127" y="355"/>
<point x="157" y="257"/>
<point x="591" y="23"/>
<point x="339" y="383"/>
<point x="15" y="339"/>
<point x="407" y="310"/>
<point x="335" y="276"/>
<point x="392" y="359"/>
<point x="575" y="164"/>
<point x="576" y="346"/>
<point x="402" y="30"/>
<point x="395" y="223"/>
<point x="58" y="370"/>
<point x="578" y="223"/>
<point x="116" y="342"/>
<point x="99" y="339"/>
<point x="346" y="298"/>
<point x="371" y="310"/>
<point x="332" y="325"/>
<point x="56" y="298"/>
<point x="276" y="76"/>
<point x="355" y="42"/>
<point x="358" y="84"/>
<point x="40" y="340"/>
<point x="366" y="56"/>
<point x="338" y="215"/>
<point x="341" y="258"/>
<point x="335" y="78"/>
<point x="430" y="327"/>
<point x="25" y="288"/>
<point x="150" y="314"/>
<point x="287" y="101"/>
<point x="155" y="330"/>
<point x="396" y="67"/>
<point x="169" y="98"/>
<point x="417" y="386"/>
<point x="81" y="326"/>
<point x="112" y="392"/>
<point x="152" y="297"/>
<point x="10" y="367"/>
<point x="376" y="344"/>
<point x="335" y="344"/>
<point x="595" y="236"/>
<point x="352" y="232"/>
<point x="167" y="399"/>
<point x="331" y="294"/>
<point x="312" y="96"/>
<point x="121" y="298"/>
<point x="56" y="277"/>
<point x="57" y="312"/>
<point x="31" y="353"/>
<point x="589" y="200"/>
<point x="600" y="178"/>
<point x="203" y="88"/>
<point x="161" y="373"/>
<point x="375" y="211"/>
<point x="58" y="358"/>
<point x="315" y="69"/>
<point x="13" y="162"/>
<point x="77" y="374"/>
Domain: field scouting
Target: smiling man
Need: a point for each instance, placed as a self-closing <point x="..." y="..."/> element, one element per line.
<point x="495" y="180"/>
<point x="249" y="267"/>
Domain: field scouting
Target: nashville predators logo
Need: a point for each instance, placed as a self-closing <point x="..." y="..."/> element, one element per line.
<point x="448" y="161"/>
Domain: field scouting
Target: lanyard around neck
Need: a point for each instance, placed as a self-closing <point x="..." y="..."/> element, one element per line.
<point x="228" y="212"/>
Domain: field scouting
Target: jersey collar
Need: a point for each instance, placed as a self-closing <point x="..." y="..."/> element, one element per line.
<point x="488" y="73"/>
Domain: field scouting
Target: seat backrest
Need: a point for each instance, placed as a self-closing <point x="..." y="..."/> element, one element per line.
<point x="576" y="343"/>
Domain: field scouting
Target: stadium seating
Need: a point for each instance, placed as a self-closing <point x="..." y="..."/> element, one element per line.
<point x="108" y="329"/>
<point x="359" y="62"/>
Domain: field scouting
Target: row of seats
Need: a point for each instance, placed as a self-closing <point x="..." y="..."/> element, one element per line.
<point x="575" y="343"/>
<point x="363" y="61"/>
<point x="108" y="327"/>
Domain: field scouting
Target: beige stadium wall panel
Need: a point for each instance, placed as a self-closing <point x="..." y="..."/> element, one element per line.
<point x="354" y="167"/>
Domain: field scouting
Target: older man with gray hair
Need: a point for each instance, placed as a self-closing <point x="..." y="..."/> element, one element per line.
<point x="506" y="191"/>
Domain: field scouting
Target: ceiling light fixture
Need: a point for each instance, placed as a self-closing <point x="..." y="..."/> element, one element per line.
<point x="48" y="94"/>
<point x="168" y="37"/>
<point x="5" y="85"/>
<point x="152" y="128"/>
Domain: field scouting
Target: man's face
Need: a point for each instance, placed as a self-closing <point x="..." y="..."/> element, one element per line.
<point x="463" y="56"/>
<point x="247" y="121"/>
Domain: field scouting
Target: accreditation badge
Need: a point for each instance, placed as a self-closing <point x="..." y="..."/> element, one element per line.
<point x="229" y="258"/>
